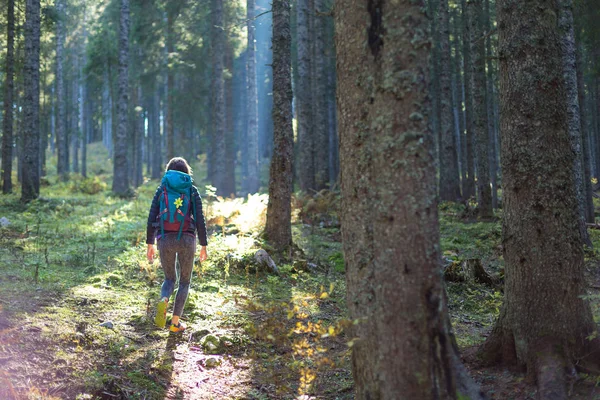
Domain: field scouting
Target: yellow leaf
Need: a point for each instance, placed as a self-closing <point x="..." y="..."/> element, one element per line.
<point x="324" y="295"/>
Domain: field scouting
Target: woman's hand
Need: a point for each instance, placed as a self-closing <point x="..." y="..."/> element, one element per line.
<point x="150" y="253"/>
<point x="203" y="254"/>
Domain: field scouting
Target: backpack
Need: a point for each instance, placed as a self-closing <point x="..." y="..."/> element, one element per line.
<point x="176" y="207"/>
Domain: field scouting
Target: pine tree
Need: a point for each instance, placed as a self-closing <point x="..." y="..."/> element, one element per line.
<point x="278" y="230"/>
<point x="7" y="131"/>
<point x="120" y="164"/>
<point x="31" y="78"/>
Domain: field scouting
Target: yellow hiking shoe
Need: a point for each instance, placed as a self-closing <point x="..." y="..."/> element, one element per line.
<point x="180" y="327"/>
<point x="160" y="320"/>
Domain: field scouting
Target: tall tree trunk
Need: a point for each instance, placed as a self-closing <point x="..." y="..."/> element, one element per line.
<point x="138" y="135"/>
<point x="85" y="101"/>
<point x="469" y="187"/>
<point x="157" y="165"/>
<point x="391" y="235"/>
<point x="170" y="132"/>
<point x="230" y="155"/>
<point x="434" y="82"/>
<point x="480" y="120"/>
<point x="31" y="77"/>
<point x="120" y="165"/>
<point x="253" y="181"/>
<point x="7" y="128"/>
<point x="543" y="329"/>
<point x="449" y="175"/>
<point x="321" y="139"/>
<point x="569" y="57"/>
<point x="74" y="114"/>
<point x="218" y="97"/>
<point x="490" y="105"/>
<point x="334" y="159"/>
<point x="278" y="230"/>
<point x="588" y="195"/>
<point x="62" y="163"/>
<point x="304" y="103"/>
<point x="459" y="100"/>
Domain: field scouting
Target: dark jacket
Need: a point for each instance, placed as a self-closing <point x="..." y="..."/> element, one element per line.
<point x="199" y="226"/>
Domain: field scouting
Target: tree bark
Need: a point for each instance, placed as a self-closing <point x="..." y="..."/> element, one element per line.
<point x="545" y="320"/>
<point x="218" y="97"/>
<point x="490" y="105"/>
<point x="170" y="84"/>
<point x="568" y="45"/>
<point x="480" y="120"/>
<point x="321" y="140"/>
<point x="459" y="100"/>
<point x="304" y="103"/>
<point x="252" y="179"/>
<point x="62" y="163"/>
<point x="31" y="103"/>
<point x="7" y="131"/>
<point x="121" y="165"/>
<point x="230" y="154"/>
<point x="390" y="223"/>
<point x="278" y="230"/>
<point x="449" y="175"/>
<point x="587" y="169"/>
<point x="469" y="187"/>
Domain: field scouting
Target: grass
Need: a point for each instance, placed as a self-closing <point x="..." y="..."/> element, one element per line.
<point x="74" y="260"/>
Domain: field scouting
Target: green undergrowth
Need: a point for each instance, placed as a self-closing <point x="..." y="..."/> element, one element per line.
<point x="77" y="298"/>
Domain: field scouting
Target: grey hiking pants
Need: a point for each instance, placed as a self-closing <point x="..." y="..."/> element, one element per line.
<point x="183" y="249"/>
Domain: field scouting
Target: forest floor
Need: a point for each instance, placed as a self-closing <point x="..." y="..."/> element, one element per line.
<point x="77" y="298"/>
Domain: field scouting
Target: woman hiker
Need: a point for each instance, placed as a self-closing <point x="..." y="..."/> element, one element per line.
<point x="175" y="219"/>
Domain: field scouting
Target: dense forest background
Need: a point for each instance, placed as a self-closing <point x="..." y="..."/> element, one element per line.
<point x="401" y="197"/>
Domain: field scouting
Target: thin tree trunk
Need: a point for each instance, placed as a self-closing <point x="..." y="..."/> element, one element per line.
<point x="569" y="57"/>
<point x="469" y="187"/>
<point x="490" y="105"/>
<point x="459" y="100"/>
<point x="278" y="230"/>
<point x="449" y="175"/>
<point x="31" y="78"/>
<point x="480" y="120"/>
<point x="229" y="159"/>
<point x="7" y="131"/>
<point x="303" y="101"/>
<point x="391" y="236"/>
<point x="253" y="181"/>
<point x="62" y="165"/>
<point x="545" y="329"/>
<point x="321" y="140"/>
<point x="170" y="86"/>
<point x="121" y="165"/>
<point x="589" y="203"/>
<point x="218" y="97"/>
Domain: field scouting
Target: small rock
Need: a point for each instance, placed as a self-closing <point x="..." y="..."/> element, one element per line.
<point x="212" y="362"/>
<point x="107" y="324"/>
<point x="4" y="222"/>
<point x="263" y="258"/>
<point x="198" y="335"/>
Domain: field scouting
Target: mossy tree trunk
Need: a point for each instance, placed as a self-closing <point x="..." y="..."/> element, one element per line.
<point x="545" y="320"/>
<point x="321" y="139"/>
<point x="390" y="225"/>
<point x="31" y="103"/>
<point x="278" y="230"/>
<point x="7" y="127"/>
<point x="121" y="165"/>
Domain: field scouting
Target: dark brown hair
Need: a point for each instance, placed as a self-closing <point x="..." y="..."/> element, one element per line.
<point x="179" y="164"/>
